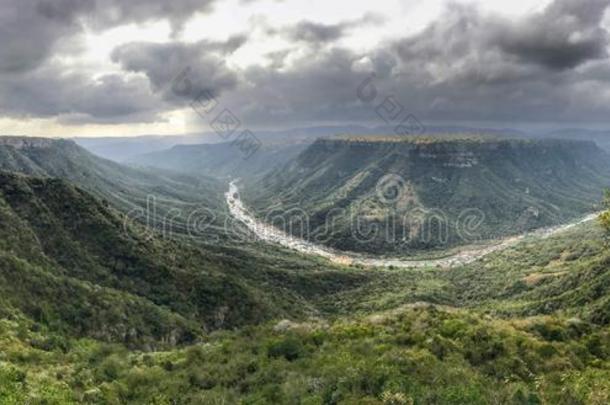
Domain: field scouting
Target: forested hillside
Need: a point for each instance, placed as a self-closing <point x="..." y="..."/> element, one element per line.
<point x="400" y="195"/>
<point x="153" y="196"/>
<point x="518" y="332"/>
<point x="69" y="261"/>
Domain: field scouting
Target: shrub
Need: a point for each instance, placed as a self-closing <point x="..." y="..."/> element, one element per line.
<point x="289" y="348"/>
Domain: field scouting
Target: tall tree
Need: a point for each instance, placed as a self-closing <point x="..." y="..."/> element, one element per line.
<point x="604" y="218"/>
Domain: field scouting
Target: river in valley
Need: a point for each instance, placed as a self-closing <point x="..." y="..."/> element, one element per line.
<point x="270" y="234"/>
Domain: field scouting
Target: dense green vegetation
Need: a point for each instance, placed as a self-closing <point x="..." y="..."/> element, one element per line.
<point x="533" y="325"/>
<point x="97" y="310"/>
<point x="604" y="218"/>
<point x="400" y="196"/>
<point x="417" y="354"/>
<point x="67" y="260"/>
<point x="156" y="198"/>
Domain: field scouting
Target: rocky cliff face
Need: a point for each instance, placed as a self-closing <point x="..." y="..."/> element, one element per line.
<point x="23" y="142"/>
<point x="452" y="153"/>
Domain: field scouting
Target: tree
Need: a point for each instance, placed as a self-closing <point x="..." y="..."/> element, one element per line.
<point x="604" y="218"/>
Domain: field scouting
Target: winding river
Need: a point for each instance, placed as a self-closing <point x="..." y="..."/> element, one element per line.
<point x="270" y="234"/>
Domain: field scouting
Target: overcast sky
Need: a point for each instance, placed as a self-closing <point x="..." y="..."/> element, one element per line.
<point x="106" y="67"/>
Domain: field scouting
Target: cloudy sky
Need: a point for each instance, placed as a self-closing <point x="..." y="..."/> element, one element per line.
<point x="118" y="67"/>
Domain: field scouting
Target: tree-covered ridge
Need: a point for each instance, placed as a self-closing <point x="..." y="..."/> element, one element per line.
<point x="415" y="139"/>
<point x="604" y="217"/>
<point x="404" y="197"/>
<point x="464" y="138"/>
<point x="174" y="197"/>
<point x="70" y="261"/>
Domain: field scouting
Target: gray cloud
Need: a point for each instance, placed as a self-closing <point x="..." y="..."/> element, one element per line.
<point x="102" y="14"/>
<point x="29" y="33"/>
<point x="162" y="63"/>
<point x="317" y="33"/>
<point x="566" y="35"/>
<point x="320" y="86"/>
<point x="49" y="92"/>
<point x="549" y="66"/>
<point x="33" y="85"/>
<point x="464" y="66"/>
<point x="278" y="58"/>
<point x="465" y="43"/>
<point x="31" y="29"/>
<point x="313" y="32"/>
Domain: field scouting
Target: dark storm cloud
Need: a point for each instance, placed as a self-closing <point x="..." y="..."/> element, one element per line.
<point x="278" y="58"/>
<point x="33" y="85"/>
<point x="470" y="66"/>
<point x="313" y="32"/>
<point x="31" y="29"/>
<point x="28" y="34"/>
<point x="465" y="42"/>
<point x="162" y="63"/>
<point x="102" y="14"/>
<point x="566" y="35"/>
<point x="320" y="86"/>
<point x="49" y="92"/>
<point x="466" y="65"/>
<point x="317" y="33"/>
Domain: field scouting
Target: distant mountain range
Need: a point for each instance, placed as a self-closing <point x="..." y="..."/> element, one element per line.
<point x="210" y="155"/>
<point x="120" y="149"/>
<point x="223" y="160"/>
<point x="124" y="149"/>
<point x="157" y="195"/>
<point x="601" y="138"/>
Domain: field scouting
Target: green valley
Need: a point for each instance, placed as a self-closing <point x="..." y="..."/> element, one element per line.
<point x="98" y="308"/>
<point x="408" y="337"/>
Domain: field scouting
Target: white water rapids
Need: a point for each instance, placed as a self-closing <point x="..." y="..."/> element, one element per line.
<point x="268" y="233"/>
